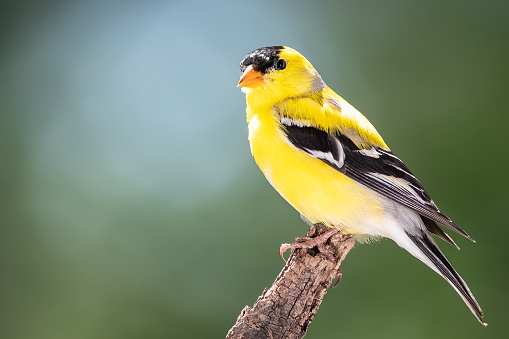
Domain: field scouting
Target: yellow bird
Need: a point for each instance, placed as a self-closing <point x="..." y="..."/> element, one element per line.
<point x="327" y="160"/>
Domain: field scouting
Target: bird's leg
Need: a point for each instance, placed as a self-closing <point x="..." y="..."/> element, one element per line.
<point x="308" y="242"/>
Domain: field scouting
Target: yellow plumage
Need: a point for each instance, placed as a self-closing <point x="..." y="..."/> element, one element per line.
<point x="313" y="188"/>
<point x="328" y="161"/>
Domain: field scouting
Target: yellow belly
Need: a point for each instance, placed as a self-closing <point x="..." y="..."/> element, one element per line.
<point x="316" y="190"/>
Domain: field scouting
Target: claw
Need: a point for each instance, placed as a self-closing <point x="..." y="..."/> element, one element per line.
<point x="307" y="242"/>
<point x="283" y="249"/>
<point x="339" y="274"/>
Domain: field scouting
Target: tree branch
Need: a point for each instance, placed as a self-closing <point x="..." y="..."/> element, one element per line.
<point x="287" y="308"/>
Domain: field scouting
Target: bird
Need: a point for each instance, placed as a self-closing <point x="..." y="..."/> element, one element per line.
<point x="329" y="162"/>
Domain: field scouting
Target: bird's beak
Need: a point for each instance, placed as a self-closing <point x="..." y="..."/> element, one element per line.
<point x="251" y="78"/>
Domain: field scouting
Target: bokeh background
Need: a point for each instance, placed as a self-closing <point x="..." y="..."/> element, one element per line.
<point x="130" y="205"/>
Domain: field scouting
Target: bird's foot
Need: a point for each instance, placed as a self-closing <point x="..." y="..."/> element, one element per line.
<point x="308" y="242"/>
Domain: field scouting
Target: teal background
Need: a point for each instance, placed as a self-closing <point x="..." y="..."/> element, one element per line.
<point x="131" y="207"/>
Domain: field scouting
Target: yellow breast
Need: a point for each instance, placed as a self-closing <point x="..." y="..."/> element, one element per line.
<point x="316" y="190"/>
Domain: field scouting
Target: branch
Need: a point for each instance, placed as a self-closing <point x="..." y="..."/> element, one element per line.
<point x="287" y="308"/>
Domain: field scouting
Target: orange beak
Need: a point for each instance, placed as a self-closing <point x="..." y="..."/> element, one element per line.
<point x="251" y="78"/>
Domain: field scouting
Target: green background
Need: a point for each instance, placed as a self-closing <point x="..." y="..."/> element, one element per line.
<point x="131" y="207"/>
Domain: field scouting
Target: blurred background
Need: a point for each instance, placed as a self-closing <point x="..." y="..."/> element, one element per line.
<point x="131" y="206"/>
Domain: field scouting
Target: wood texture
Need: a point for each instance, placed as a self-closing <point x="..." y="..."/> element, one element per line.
<point x="289" y="306"/>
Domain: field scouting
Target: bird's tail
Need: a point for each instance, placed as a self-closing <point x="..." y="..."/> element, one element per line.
<point x="429" y="253"/>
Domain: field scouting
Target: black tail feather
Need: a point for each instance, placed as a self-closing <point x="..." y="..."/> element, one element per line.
<point x="434" y="228"/>
<point x="428" y="246"/>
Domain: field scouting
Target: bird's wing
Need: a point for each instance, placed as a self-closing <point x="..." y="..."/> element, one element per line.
<point x="376" y="168"/>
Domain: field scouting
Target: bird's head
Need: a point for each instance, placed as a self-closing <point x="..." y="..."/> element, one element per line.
<point x="272" y="74"/>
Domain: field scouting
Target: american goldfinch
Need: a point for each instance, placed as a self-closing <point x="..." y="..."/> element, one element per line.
<point x="327" y="160"/>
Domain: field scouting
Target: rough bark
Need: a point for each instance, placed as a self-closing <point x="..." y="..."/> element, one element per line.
<point x="287" y="308"/>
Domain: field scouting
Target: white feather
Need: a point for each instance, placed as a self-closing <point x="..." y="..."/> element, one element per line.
<point x="370" y="153"/>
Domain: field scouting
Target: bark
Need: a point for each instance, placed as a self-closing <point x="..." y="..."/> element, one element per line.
<point x="288" y="307"/>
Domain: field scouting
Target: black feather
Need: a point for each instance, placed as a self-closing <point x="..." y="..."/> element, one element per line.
<point x="433" y="227"/>
<point x="373" y="170"/>
<point x="262" y="58"/>
<point x="308" y="138"/>
<point x="433" y="253"/>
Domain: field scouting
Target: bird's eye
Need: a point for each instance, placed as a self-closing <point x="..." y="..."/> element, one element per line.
<point x="281" y="64"/>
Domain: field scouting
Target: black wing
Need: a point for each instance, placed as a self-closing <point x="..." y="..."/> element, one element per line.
<point x="376" y="168"/>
